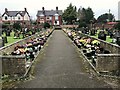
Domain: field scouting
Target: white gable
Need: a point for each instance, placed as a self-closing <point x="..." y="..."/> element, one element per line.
<point x="6" y="16"/>
<point x="18" y="17"/>
<point x="26" y="17"/>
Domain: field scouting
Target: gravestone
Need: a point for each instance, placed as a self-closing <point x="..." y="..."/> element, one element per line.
<point x="102" y="35"/>
<point x="118" y="40"/>
<point x="5" y="39"/>
<point x="1" y="42"/>
<point x="8" y="32"/>
<point x="111" y="35"/>
<point x="92" y="32"/>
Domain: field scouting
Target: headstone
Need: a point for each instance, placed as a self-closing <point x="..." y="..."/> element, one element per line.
<point x="1" y="43"/>
<point x="5" y="39"/>
<point x="92" y="32"/>
<point x="8" y="32"/>
<point x="118" y="40"/>
<point x="111" y="35"/>
<point x="102" y="35"/>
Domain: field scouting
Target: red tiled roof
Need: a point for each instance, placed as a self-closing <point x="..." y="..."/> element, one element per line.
<point x="112" y="23"/>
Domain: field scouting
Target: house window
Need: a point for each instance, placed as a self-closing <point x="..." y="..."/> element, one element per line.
<point x="42" y="18"/>
<point x="6" y="17"/>
<point x="50" y="18"/>
<point x="18" y="18"/>
<point x="47" y="17"/>
<point x="56" y="17"/>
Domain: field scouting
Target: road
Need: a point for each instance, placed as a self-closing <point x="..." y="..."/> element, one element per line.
<point x="60" y="66"/>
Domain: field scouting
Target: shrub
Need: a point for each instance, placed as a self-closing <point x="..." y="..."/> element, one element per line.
<point x="46" y="25"/>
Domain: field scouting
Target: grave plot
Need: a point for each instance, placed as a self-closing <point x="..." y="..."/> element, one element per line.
<point x="18" y="57"/>
<point x="103" y="57"/>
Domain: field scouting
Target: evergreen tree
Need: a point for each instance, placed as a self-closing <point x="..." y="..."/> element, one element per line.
<point x="85" y="15"/>
<point x="105" y="17"/>
<point x="70" y="14"/>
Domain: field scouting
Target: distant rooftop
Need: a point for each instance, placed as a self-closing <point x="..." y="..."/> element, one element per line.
<point x="49" y="12"/>
<point x="14" y="13"/>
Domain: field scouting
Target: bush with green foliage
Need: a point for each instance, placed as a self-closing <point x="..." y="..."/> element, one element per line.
<point x="104" y="17"/>
<point x="46" y="25"/>
<point x="117" y="26"/>
<point x="17" y="26"/>
<point x="82" y="24"/>
<point x="5" y="26"/>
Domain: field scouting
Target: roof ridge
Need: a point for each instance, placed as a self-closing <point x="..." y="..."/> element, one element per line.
<point x="15" y="11"/>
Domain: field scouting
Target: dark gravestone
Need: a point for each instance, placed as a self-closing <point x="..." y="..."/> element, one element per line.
<point x="118" y="40"/>
<point x="8" y="32"/>
<point x="1" y="43"/>
<point x="111" y="35"/>
<point x="5" y="39"/>
<point x="102" y="35"/>
<point x="92" y="32"/>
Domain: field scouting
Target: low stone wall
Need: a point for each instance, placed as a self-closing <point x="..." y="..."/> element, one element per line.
<point x="107" y="62"/>
<point x="108" y="46"/>
<point x="69" y="26"/>
<point x="15" y="65"/>
<point x="114" y="49"/>
<point x="12" y="65"/>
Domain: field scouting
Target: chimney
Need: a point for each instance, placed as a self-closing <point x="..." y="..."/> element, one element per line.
<point x="6" y="10"/>
<point x="25" y="9"/>
<point x="57" y="10"/>
<point x="43" y="9"/>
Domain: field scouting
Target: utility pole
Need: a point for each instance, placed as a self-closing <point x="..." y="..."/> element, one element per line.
<point x="109" y="15"/>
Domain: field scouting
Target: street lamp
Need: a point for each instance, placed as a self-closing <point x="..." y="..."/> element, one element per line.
<point x="0" y="24"/>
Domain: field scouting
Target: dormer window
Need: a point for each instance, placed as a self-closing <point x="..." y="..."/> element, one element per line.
<point x="6" y="17"/>
<point x="18" y="18"/>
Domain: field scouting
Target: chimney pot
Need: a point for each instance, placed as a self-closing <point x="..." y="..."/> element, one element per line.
<point x="25" y="9"/>
<point x="6" y="10"/>
<point x="43" y="8"/>
<point x="57" y="8"/>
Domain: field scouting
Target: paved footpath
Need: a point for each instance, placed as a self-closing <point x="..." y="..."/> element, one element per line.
<point x="61" y="67"/>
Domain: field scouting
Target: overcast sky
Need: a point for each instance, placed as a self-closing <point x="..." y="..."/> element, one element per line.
<point x="98" y="6"/>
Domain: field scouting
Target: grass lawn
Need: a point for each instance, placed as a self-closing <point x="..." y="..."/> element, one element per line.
<point x="108" y="39"/>
<point x="11" y="39"/>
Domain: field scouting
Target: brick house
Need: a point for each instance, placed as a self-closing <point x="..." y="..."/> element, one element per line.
<point x="16" y="16"/>
<point x="53" y="17"/>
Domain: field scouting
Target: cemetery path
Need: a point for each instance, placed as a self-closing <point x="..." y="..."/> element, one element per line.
<point x="61" y="67"/>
